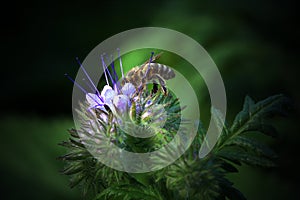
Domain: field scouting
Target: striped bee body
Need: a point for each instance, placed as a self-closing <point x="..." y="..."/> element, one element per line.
<point x="149" y="73"/>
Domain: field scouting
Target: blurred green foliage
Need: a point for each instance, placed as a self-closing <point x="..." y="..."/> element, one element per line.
<point x="29" y="150"/>
<point x="253" y="43"/>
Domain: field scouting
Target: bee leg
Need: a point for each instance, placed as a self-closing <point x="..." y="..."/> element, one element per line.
<point x="162" y="82"/>
<point x="165" y="90"/>
<point x="124" y="81"/>
<point x="155" y="88"/>
<point x="140" y="88"/>
<point x="147" y="71"/>
<point x="142" y="85"/>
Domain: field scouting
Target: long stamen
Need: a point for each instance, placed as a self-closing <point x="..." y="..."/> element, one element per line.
<point x="81" y="88"/>
<point x="116" y="78"/>
<point x="81" y="66"/>
<point x="106" y="71"/>
<point x="89" y="85"/>
<point x="113" y="68"/>
<point x="121" y="65"/>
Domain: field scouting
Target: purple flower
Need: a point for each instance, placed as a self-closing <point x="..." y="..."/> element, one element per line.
<point x="122" y="103"/>
<point x="94" y="101"/>
<point x="113" y="99"/>
<point x="128" y="89"/>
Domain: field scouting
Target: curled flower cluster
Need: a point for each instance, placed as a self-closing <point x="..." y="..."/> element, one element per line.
<point x="128" y="114"/>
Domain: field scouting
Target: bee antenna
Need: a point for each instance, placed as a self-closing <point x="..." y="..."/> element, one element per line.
<point x="80" y="87"/>
<point x="121" y="65"/>
<point x="84" y="71"/>
<point x="151" y="57"/>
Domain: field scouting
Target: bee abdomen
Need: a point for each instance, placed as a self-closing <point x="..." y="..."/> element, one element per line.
<point x="164" y="71"/>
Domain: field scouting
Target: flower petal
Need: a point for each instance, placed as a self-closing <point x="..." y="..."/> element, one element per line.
<point x="93" y="99"/>
<point x="108" y="94"/>
<point x="128" y="89"/>
<point x="121" y="103"/>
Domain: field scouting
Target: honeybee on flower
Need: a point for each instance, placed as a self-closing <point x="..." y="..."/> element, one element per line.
<point x="127" y="108"/>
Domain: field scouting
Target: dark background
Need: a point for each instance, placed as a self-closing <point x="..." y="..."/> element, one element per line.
<point x="255" y="45"/>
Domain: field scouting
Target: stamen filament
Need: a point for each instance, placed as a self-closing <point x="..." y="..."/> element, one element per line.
<point x="81" y="66"/>
<point x="113" y="68"/>
<point x="97" y="93"/>
<point x="106" y="70"/>
<point x="121" y="65"/>
<point x="89" y="85"/>
<point x="81" y="88"/>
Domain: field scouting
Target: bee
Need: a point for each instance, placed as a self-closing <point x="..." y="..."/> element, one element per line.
<point x="151" y="72"/>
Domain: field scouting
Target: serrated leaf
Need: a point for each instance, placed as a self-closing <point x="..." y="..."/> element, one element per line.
<point x="248" y="104"/>
<point x="73" y="132"/>
<point x="247" y="158"/>
<point x="223" y="130"/>
<point x="251" y="144"/>
<point x="232" y="193"/>
<point x="263" y="128"/>
<point x="142" y="178"/>
<point x="76" y="179"/>
<point x="252" y="115"/>
<point x="77" y="143"/>
<point x="67" y="144"/>
<point x="132" y="192"/>
<point x="219" y="120"/>
<point x="75" y="156"/>
<point x="72" y="169"/>
<point x="229" y="167"/>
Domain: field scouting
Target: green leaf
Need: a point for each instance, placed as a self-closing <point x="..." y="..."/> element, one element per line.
<point x="262" y="128"/>
<point x="76" y="179"/>
<point x="219" y="120"/>
<point x="251" y="144"/>
<point x="221" y="125"/>
<point x="142" y="178"/>
<point x="75" y="156"/>
<point x="77" y="143"/>
<point x="73" y="132"/>
<point x="229" y="167"/>
<point x="246" y="157"/>
<point x="130" y="192"/>
<point x="252" y="115"/>
<point x="242" y="116"/>
<point x="232" y="193"/>
<point x="72" y="169"/>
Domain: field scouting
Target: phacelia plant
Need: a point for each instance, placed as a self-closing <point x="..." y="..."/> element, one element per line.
<point x="137" y="106"/>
